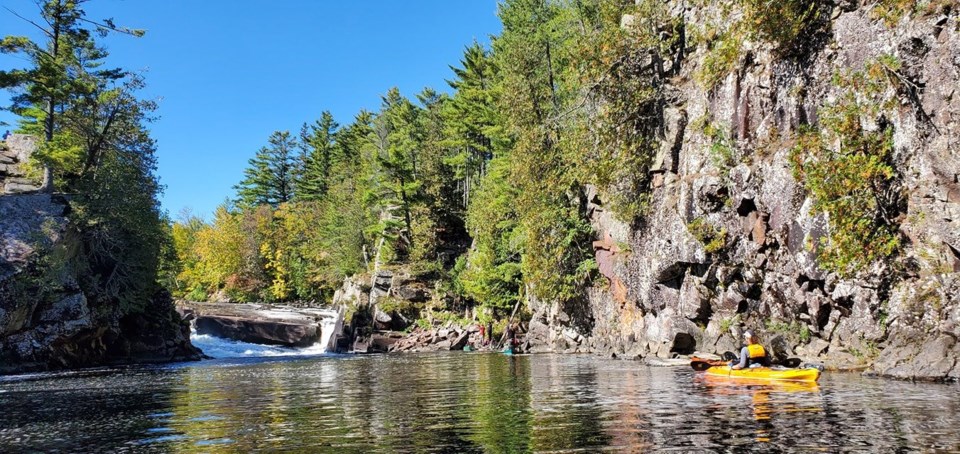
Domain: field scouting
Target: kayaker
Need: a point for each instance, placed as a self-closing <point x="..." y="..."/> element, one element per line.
<point x="752" y="353"/>
<point x="511" y="337"/>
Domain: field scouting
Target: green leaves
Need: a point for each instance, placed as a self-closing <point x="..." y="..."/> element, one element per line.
<point x="96" y="146"/>
<point x="565" y="98"/>
<point x="849" y="173"/>
<point x="713" y="238"/>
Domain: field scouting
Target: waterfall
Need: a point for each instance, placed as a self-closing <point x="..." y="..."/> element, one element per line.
<point x="330" y="324"/>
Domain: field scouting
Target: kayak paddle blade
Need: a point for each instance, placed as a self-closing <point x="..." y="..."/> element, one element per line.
<point x="791" y="362"/>
<point x="700" y="366"/>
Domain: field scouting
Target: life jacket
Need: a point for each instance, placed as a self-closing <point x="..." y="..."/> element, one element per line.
<point x="756" y="354"/>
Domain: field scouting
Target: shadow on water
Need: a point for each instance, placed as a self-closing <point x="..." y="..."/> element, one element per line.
<point x="464" y="403"/>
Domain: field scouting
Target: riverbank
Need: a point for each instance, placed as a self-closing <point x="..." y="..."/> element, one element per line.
<point x="67" y="299"/>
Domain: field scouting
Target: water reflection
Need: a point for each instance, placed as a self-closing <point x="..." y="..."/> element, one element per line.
<point x="767" y="401"/>
<point x="464" y="403"/>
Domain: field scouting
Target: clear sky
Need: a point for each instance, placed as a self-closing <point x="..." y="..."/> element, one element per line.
<point x="230" y="72"/>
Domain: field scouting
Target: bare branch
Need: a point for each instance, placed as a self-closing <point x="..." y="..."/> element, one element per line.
<point x="39" y="27"/>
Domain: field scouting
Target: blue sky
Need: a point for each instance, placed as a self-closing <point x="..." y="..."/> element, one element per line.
<point x="230" y="72"/>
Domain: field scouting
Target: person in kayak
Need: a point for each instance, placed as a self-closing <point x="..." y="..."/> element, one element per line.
<point x="752" y="353"/>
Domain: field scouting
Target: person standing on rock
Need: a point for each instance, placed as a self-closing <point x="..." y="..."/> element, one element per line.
<point x="752" y="353"/>
<point x="511" y="335"/>
<point x="6" y="135"/>
<point x="512" y="342"/>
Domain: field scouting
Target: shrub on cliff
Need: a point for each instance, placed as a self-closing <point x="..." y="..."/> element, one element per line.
<point x="96" y="147"/>
<point x="849" y="172"/>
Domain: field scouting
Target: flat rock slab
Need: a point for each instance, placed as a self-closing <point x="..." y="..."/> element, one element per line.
<point x="666" y="362"/>
<point x="258" y="323"/>
<point x="261" y="331"/>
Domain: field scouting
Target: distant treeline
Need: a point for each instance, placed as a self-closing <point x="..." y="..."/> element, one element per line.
<point x="484" y="187"/>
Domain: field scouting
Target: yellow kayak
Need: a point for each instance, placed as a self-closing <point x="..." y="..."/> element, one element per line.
<point x="808" y="374"/>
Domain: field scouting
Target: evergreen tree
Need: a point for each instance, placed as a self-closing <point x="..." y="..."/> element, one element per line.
<point x="445" y="235"/>
<point x="269" y="178"/>
<point x="396" y="137"/>
<point x="540" y="96"/>
<point x="318" y="143"/>
<point x="94" y="131"/>
<point x="348" y="213"/>
<point x="65" y="68"/>
<point x="471" y="120"/>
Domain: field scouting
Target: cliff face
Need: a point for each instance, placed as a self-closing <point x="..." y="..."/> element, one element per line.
<point x="47" y="319"/>
<point x="664" y="291"/>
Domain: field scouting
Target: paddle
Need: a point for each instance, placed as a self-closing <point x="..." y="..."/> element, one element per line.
<point x="701" y="365"/>
<point x="789" y="362"/>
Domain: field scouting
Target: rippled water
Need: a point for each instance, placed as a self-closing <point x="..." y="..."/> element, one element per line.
<point x="463" y="402"/>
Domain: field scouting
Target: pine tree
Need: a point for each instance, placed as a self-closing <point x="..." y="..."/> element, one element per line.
<point x="349" y="210"/>
<point x="269" y="178"/>
<point x="471" y="120"/>
<point x="65" y="69"/>
<point x="442" y="190"/>
<point x="318" y="144"/>
<point x="396" y="137"/>
<point x="540" y="95"/>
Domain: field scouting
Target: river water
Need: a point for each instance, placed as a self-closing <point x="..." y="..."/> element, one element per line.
<point x="462" y="402"/>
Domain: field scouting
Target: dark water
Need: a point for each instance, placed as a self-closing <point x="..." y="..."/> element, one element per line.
<point x="464" y="403"/>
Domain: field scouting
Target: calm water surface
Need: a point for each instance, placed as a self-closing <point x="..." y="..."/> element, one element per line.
<point x="463" y="402"/>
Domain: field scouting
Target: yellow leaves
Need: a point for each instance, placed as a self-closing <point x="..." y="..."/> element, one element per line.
<point x="279" y="288"/>
<point x="259" y="254"/>
<point x="848" y="171"/>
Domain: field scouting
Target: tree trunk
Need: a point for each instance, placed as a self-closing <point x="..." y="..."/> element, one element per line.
<point x="48" y="123"/>
<point x="47" y="185"/>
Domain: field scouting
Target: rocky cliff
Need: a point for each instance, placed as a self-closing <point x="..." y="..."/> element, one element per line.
<point x="670" y="286"/>
<point x="48" y="320"/>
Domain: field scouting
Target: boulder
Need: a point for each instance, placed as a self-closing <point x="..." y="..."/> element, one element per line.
<point x="933" y="360"/>
<point x="460" y="341"/>
<point x="779" y="348"/>
<point x="380" y="343"/>
<point x="412" y="293"/>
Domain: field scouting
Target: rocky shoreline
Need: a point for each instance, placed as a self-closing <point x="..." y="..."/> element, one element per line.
<point x="48" y="320"/>
<point x="373" y="330"/>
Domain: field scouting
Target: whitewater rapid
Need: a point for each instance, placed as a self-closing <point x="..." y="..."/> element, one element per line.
<point x="331" y="324"/>
<point x="216" y="347"/>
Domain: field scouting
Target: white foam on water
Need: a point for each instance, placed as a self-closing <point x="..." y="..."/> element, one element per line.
<point x="331" y="324"/>
<point x="216" y="347"/>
